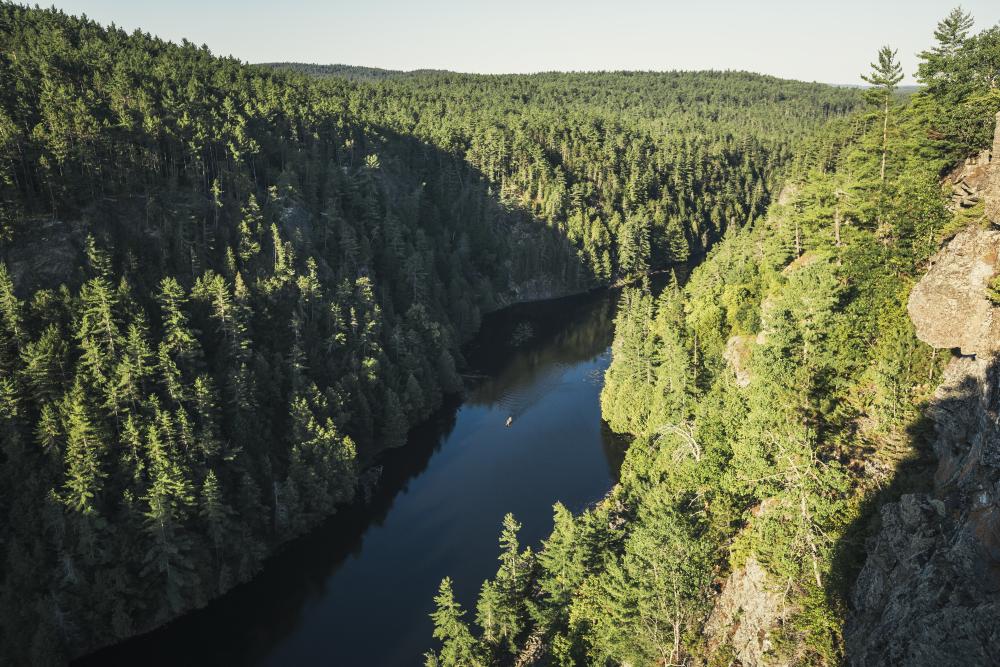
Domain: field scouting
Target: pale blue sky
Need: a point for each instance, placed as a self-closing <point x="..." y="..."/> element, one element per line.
<point x="830" y="41"/>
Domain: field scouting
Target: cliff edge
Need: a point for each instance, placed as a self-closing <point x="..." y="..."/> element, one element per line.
<point x="929" y="591"/>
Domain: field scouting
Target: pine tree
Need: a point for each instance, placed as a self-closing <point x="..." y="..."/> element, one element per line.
<point x="84" y="452"/>
<point x="178" y="338"/>
<point x="44" y="362"/>
<point x="458" y="645"/>
<point x="134" y="369"/>
<point x="561" y="561"/>
<point x="937" y="67"/>
<point x="394" y="423"/>
<point x="11" y="327"/>
<point x="98" y="331"/>
<point x="885" y="75"/>
<point x="168" y="499"/>
<point x="215" y="513"/>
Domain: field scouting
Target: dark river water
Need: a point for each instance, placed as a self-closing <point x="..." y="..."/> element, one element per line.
<point x="358" y="590"/>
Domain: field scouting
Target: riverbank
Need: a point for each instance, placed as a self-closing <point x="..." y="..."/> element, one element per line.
<point x="329" y="594"/>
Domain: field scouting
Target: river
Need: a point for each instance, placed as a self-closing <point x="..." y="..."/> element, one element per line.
<point x="359" y="589"/>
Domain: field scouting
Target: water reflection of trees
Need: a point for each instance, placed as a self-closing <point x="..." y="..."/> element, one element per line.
<point x="565" y="335"/>
<point x="249" y="621"/>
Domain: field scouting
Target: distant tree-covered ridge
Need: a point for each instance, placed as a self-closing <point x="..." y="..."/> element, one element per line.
<point x="776" y="400"/>
<point x="353" y="72"/>
<point x="638" y="169"/>
<point x="223" y="288"/>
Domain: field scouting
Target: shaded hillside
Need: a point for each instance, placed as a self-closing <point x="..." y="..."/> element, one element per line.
<point x="639" y="170"/>
<point x="782" y="405"/>
<point x="220" y="295"/>
<point x="223" y="287"/>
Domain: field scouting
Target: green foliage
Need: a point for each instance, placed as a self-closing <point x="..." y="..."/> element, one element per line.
<point x="993" y="290"/>
<point x="885" y="75"/>
<point x="251" y="279"/>
<point x="224" y="288"/>
<point x="459" y="647"/>
<point x="770" y="397"/>
<point x="960" y="74"/>
<point x="636" y="170"/>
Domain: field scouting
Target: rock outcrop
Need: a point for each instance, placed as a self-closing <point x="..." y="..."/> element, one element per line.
<point x="969" y="180"/>
<point x="978" y="179"/>
<point x="948" y="306"/>
<point x="737" y="355"/>
<point x="919" y="600"/>
<point x="929" y="592"/>
<point x="992" y="193"/>
<point x="744" y="615"/>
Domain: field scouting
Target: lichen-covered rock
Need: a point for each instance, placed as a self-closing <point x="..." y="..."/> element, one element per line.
<point x="929" y="592"/>
<point x="948" y="306"/>
<point x="737" y="355"/>
<point x="992" y="194"/>
<point x="745" y="612"/>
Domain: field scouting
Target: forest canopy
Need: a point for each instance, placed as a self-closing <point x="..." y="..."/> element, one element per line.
<point x="775" y="399"/>
<point x="224" y="288"/>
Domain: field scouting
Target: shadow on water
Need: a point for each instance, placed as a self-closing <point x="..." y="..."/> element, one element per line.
<point x="517" y="373"/>
<point x="357" y="590"/>
<point x="270" y="604"/>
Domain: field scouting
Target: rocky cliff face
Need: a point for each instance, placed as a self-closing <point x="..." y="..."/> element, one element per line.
<point x="972" y="181"/>
<point x="992" y="194"/>
<point x="948" y="306"/>
<point x="745" y="614"/>
<point x="929" y="592"/>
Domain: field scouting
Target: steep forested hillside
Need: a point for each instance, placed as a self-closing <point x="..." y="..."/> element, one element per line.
<point x="223" y="288"/>
<point x="639" y="170"/>
<point x="776" y="402"/>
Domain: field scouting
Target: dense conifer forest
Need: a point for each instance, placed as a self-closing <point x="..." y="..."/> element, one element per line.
<point x="224" y="287"/>
<point x="638" y="170"/>
<point x="775" y="400"/>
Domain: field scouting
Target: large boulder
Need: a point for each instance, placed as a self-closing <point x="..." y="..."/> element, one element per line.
<point x="992" y="194"/>
<point x="949" y="307"/>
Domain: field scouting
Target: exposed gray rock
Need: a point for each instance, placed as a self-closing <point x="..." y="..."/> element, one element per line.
<point x="787" y="194"/>
<point x="969" y="180"/>
<point x="929" y="592"/>
<point x="746" y="611"/>
<point x="992" y="194"/>
<point x="923" y="597"/>
<point x="737" y="355"/>
<point x="948" y="306"/>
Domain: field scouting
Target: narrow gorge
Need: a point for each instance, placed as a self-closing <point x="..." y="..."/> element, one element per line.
<point x="307" y="363"/>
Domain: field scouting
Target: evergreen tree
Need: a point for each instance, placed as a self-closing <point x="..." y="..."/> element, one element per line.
<point x="937" y="67"/>
<point x="458" y="646"/>
<point x="84" y="453"/>
<point x="885" y="75"/>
